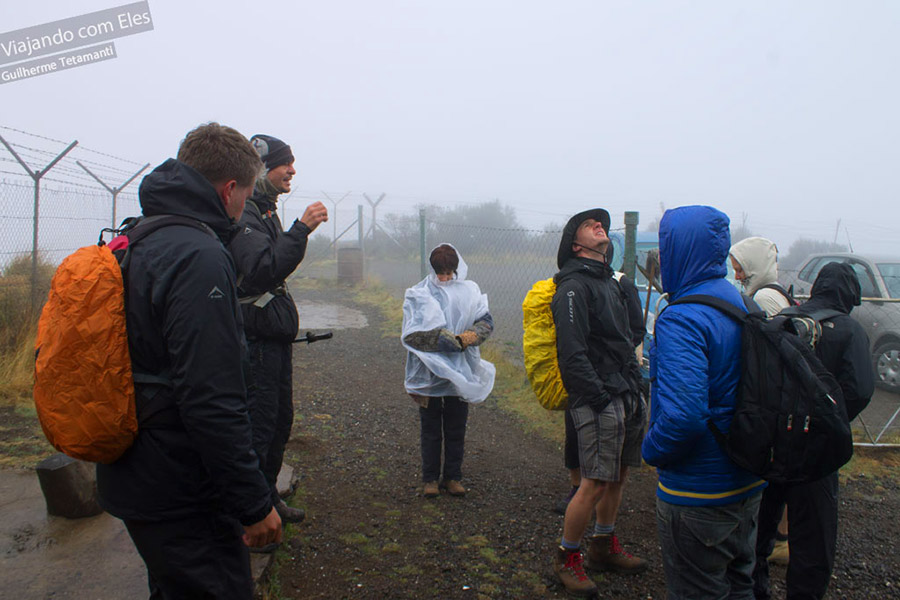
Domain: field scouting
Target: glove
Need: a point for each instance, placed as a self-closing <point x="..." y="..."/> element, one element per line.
<point x="467" y="338"/>
<point x="447" y="342"/>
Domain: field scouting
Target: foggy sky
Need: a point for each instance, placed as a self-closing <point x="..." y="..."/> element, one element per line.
<point x="785" y="112"/>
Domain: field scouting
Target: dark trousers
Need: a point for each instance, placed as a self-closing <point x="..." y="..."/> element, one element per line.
<point x="571" y="446"/>
<point x="443" y="424"/>
<point x="269" y="396"/>
<point x="193" y="558"/>
<point x="812" y="536"/>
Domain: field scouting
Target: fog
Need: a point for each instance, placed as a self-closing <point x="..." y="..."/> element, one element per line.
<point x="783" y="114"/>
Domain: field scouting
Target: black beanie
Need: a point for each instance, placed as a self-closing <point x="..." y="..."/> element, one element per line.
<point x="272" y="151"/>
<point x="571" y="228"/>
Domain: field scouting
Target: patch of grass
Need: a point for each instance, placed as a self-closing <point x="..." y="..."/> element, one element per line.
<point x="489" y="554"/>
<point x="389" y="304"/>
<point x="513" y="394"/>
<point x="881" y="464"/>
<point x="379" y="474"/>
<point x="354" y="539"/>
<point x="476" y="541"/>
<point x="392" y="548"/>
<point x="408" y="570"/>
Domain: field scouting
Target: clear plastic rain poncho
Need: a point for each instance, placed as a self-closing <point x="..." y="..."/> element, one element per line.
<point x="453" y="305"/>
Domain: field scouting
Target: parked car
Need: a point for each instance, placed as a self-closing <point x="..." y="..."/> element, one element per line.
<point x="879" y="278"/>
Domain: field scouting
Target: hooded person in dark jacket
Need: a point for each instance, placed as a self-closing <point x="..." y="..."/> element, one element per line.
<point x="599" y="369"/>
<point x="190" y="489"/>
<point x="265" y="255"/>
<point x="844" y="350"/>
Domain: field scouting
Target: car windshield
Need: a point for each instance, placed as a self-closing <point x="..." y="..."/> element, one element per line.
<point x="890" y="273"/>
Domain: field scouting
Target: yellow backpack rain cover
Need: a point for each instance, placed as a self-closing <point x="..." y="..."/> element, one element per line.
<point x="539" y="346"/>
<point x="83" y="384"/>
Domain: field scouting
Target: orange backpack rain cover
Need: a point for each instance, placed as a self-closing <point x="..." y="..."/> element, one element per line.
<point x="83" y="384"/>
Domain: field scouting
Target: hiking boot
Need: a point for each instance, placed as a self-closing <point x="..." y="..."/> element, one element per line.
<point x="267" y="549"/>
<point x="605" y="553"/>
<point x="289" y="514"/>
<point x="431" y="490"/>
<point x="569" y="568"/>
<point x="781" y="553"/>
<point x="454" y="488"/>
<point x="563" y="504"/>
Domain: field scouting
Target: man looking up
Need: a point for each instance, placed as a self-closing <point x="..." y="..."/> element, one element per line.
<point x="601" y="375"/>
<point x="265" y="255"/>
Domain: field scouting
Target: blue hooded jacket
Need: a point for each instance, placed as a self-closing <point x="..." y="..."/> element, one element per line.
<point x="695" y="365"/>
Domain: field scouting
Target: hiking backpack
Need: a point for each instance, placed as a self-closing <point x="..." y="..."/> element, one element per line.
<point x="539" y="345"/>
<point x="84" y="390"/>
<point x="790" y="423"/>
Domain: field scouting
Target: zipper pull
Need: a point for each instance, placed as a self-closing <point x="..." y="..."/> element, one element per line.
<point x="790" y="424"/>
<point x="806" y="425"/>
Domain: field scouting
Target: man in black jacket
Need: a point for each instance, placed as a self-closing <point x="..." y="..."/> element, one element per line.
<point x="265" y="255"/>
<point x="812" y="536"/>
<point x="190" y="490"/>
<point x="599" y="369"/>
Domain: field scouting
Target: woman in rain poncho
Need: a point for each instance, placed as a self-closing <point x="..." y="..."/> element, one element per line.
<point x="445" y="319"/>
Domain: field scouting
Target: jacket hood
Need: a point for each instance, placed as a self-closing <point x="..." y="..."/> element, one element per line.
<point x="758" y="258"/>
<point x="174" y="188"/>
<point x="568" y="235"/>
<point x="836" y="287"/>
<point x="693" y="246"/>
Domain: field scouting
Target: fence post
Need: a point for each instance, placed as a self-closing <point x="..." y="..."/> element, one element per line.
<point x="422" y="270"/>
<point x="359" y="228"/>
<point x="113" y="190"/>
<point x="631" y="222"/>
<point x="36" y="176"/>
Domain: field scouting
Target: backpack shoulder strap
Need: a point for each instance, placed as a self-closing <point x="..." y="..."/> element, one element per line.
<point x="722" y="305"/>
<point x="777" y="287"/>
<point x="147" y="225"/>
<point x="822" y="314"/>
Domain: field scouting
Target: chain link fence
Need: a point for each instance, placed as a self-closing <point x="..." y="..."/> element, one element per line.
<point x="505" y="261"/>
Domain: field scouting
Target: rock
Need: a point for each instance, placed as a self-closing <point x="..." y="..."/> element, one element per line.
<point x="69" y="487"/>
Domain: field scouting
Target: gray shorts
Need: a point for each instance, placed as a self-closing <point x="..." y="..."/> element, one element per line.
<point x="606" y="441"/>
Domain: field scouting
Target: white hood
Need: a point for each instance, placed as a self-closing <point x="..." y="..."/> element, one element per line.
<point x="758" y="258"/>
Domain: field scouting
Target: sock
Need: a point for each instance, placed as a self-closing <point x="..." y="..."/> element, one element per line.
<point x="780" y="537"/>
<point x="569" y="545"/>
<point x="604" y="529"/>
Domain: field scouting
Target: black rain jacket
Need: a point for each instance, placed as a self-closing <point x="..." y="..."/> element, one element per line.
<point x="844" y="347"/>
<point x="265" y="255"/>
<point x="594" y="341"/>
<point x="193" y="450"/>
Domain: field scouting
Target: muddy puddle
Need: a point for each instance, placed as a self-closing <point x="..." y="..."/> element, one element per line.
<point x="317" y="316"/>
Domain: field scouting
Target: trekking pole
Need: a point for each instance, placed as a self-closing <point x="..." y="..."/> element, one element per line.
<point x="311" y="337"/>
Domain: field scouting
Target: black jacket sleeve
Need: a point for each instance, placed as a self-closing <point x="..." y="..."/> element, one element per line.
<point x="854" y="370"/>
<point x="202" y="332"/>
<point x="571" y="317"/>
<point x="265" y="256"/>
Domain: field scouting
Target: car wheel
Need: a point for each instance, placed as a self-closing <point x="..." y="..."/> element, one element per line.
<point x="887" y="366"/>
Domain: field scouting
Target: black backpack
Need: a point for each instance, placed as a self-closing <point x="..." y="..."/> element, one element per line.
<point x="790" y="424"/>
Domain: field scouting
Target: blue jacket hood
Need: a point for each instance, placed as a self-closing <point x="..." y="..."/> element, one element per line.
<point x="693" y="246"/>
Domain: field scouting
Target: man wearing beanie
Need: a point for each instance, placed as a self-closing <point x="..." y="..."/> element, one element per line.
<point x="265" y="255"/>
<point x="599" y="369"/>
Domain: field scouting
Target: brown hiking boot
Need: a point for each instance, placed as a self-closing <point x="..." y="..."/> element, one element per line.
<point x="431" y="490"/>
<point x="289" y="514"/>
<point x="569" y="568"/>
<point x="454" y="488"/>
<point x="604" y="553"/>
